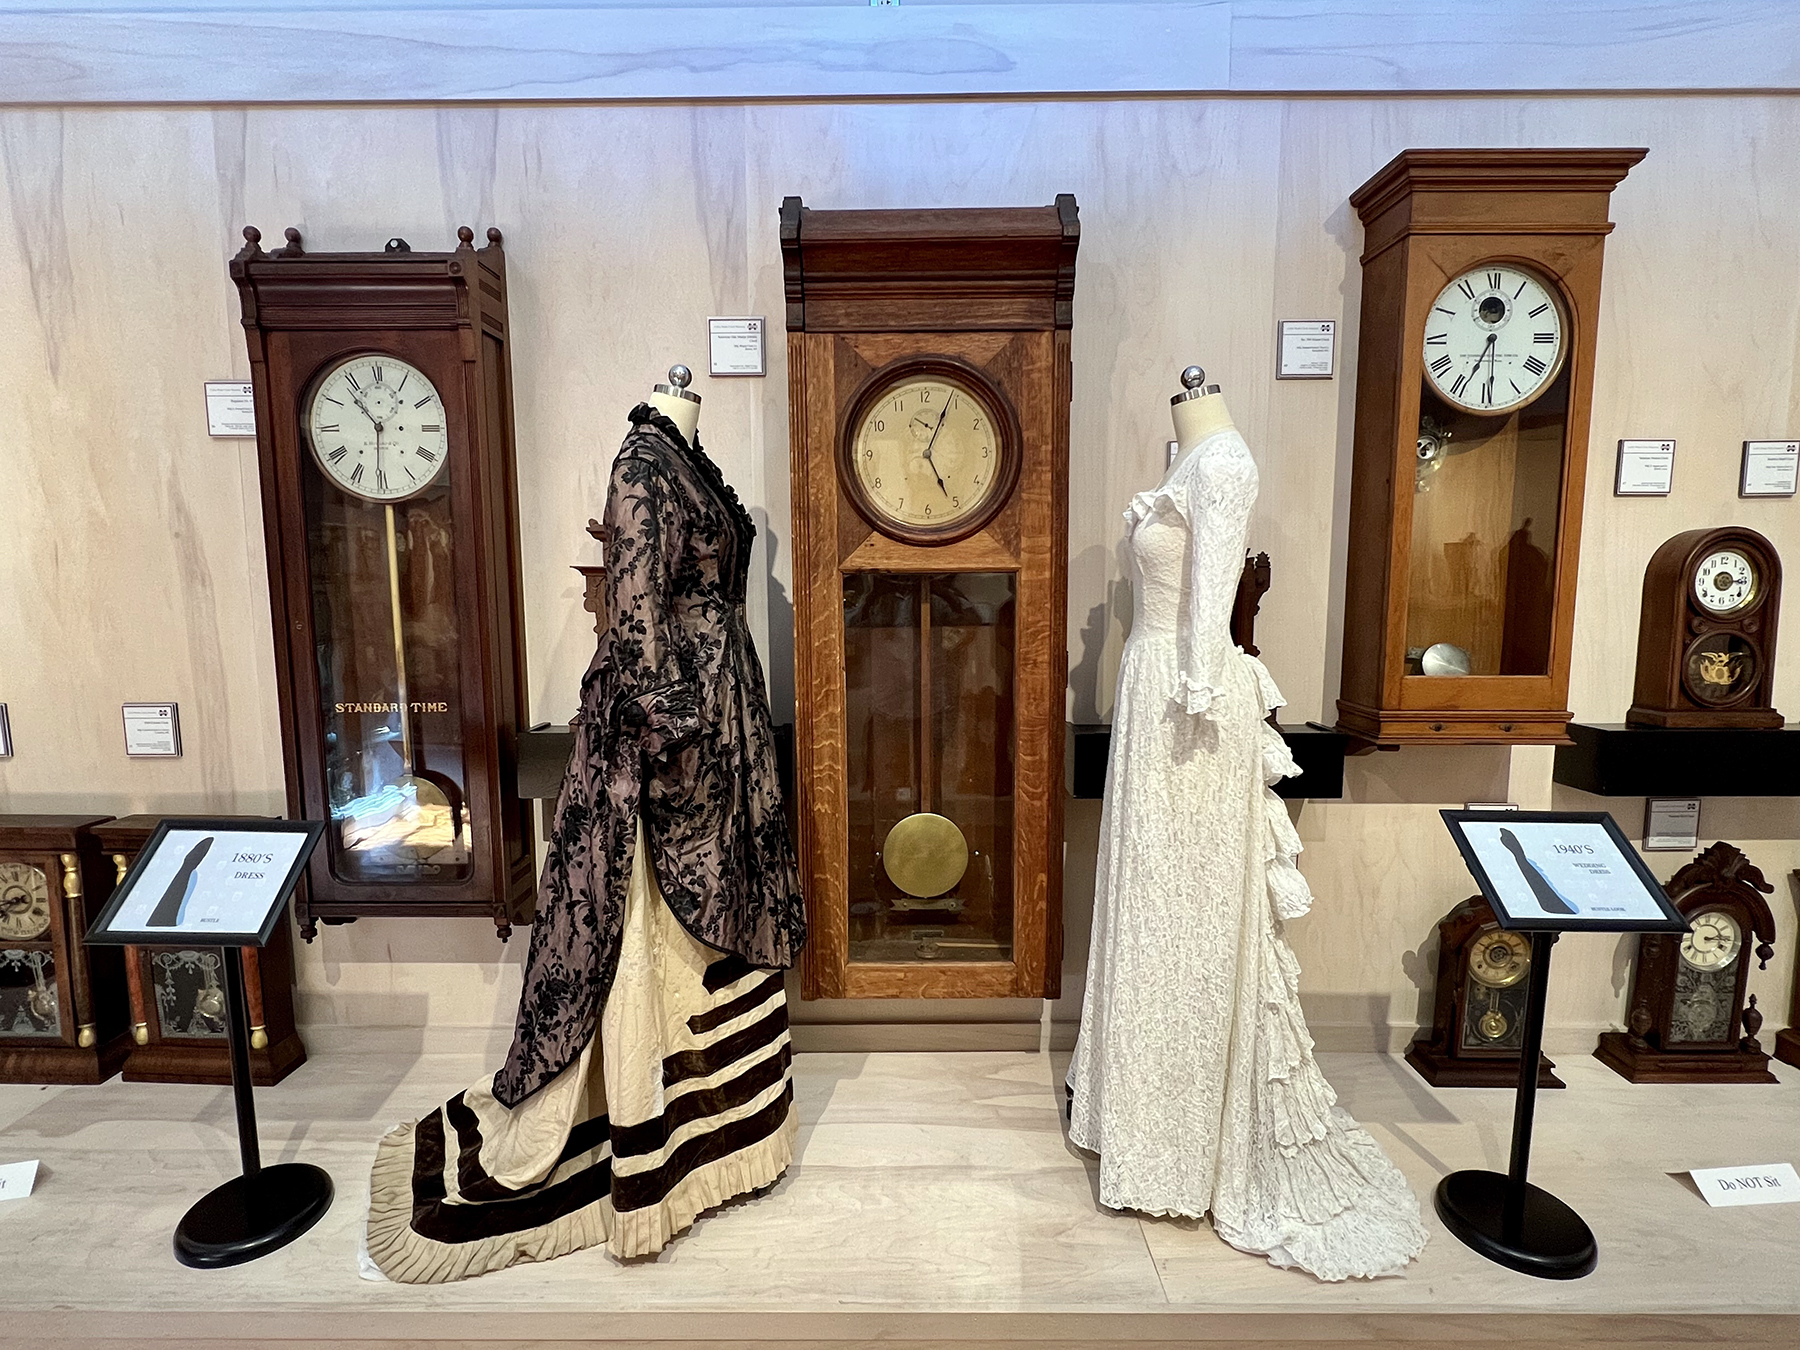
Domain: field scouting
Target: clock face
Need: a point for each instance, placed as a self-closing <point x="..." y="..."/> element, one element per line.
<point x="1713" y="941"/>
<point x="376" y="425"/>
<point x="1725" y="581"/>
<point x="1499" y="958"/>
<point x="24" y="902"/>
<point x="928" y="454"/>
<point x="1494" y="339"/>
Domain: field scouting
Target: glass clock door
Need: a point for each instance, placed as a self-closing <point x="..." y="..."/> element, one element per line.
<point x="929" y="704"/>
<point x="386" y="643"/>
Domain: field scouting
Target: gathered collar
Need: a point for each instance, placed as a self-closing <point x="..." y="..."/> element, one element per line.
<point x="645" y="415"/>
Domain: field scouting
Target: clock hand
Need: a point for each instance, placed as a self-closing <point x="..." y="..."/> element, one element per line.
<point x="1482" y="357"/>
<point x="354" y="398"/>
<point x="933" y="441"/>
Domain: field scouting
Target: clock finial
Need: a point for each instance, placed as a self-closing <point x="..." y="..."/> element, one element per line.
<point x="292" y="249"/>
<point x="465" y="237"/>
<point x="493" y="236"/>
<point x="252" y="244"/>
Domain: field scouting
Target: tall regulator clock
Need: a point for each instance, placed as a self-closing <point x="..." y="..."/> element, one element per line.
<point x="384" y="426"/>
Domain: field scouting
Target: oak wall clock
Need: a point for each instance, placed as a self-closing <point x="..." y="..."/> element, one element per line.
<point x="385" y="431"/>
<point x="929" y="377"/>
<point x="1706" y="632"/>
<point x="1689" y="1018"/>
<point x="1480" y="305"/>
<point x="62" y="1003"/>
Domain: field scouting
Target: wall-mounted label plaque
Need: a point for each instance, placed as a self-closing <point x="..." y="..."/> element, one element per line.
<point x="152" y="730"/>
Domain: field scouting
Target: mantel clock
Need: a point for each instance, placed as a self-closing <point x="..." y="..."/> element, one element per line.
<point x="62" y="1003"/>
<point x="384" y="427"/>
<point x="1690" y="1021"/>
<point x="1706" y="633"/>
<point x="1480" y="303"/>
<point x="1478" y="1024"/>
<point x="928" y="367"/>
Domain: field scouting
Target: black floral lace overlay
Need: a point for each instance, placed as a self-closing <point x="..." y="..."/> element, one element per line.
<point x="674" y="724"/>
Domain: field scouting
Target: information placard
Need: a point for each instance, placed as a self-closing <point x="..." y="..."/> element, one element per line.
<point x="1646" y="469"/>
<point x="152" y="730"/>
<point x="221" y="883"/>
<point x="1561" y="871"/>
<point x="735" y="346"/>
<point x="1307" y="349"/>
<point x="1672" y="823"/>
<point x="1770" y="469"/>
<point x="230" y="408"/>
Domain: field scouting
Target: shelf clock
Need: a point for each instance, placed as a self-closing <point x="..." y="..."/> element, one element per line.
<point x="1480" y="304"/>
<point x="384" y="428"/>
<point x="929" y="376"/>
<point x="1706" y="633"/>
<point x="62" y="1003"/>
<point x="1478" y="1022"/>
<point x="177" y="994"/>
<point x="1690" y="1021"/>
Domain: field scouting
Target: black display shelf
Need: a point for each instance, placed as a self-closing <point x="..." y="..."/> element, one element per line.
<point x="1614" y="760"/>
<point x="1319" y="753"/>
<point x="544" y="754"/>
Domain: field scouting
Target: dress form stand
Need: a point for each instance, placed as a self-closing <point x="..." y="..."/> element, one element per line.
<point x="1199" y="411"/>
<point x="677" y="403"/>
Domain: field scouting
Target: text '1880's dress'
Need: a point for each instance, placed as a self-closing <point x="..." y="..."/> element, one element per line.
<point x="1194" y="1078"/>
<point x="649" y="1075"/>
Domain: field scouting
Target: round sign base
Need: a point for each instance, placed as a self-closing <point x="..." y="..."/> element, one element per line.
<point x="1552" y="1242"/>
<point x="252" y="1215"/>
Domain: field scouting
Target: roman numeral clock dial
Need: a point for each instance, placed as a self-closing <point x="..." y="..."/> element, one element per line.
<point x="376" y="425"/>
<point x="1495" y="338"/>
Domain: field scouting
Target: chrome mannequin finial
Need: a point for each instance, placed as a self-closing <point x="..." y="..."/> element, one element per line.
<point x="1193" y="385"/>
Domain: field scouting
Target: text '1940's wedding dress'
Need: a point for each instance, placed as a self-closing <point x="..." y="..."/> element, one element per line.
<point x="1193" y="1077"/>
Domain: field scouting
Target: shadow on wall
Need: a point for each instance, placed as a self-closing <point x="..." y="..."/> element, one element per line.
<point x="778" y="661"/>
<point x="1086" y="675"/>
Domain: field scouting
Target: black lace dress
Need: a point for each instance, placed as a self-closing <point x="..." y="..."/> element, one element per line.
<point x="648" y="1078"/>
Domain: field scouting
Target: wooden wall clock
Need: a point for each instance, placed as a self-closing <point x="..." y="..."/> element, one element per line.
<point x="1689" y="1020"/>
<point x="929" y="378"/>
<point x="385" y="431"/>
<point x="1706" y="633"/>
<point x="1480" y="304"/>
<point x="1478" y="1018"/>
<point x="62" y="1003"/>
<point x="177" y="994"/>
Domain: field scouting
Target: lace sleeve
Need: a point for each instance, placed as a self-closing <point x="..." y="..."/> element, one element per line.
<point x="1216" y="499"/>
<point x="657" y="700"/>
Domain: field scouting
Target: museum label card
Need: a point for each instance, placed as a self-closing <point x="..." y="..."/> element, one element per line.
<point x="17" y="1179"/>
<point x="1561" y="871"/>
<point x="1763" y="1184"/>
<point x="216" y="882"/>
<point x="152" y="730"/>
<point x="1308" y="349"/>
<point x="1672" y="823"/>
<point x="230" y="408"/>
<point x="735" y="346"/>
<point x="1646" y="469"/>
<point x="1770" y="469"/>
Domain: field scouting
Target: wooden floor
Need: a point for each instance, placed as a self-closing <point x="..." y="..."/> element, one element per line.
<point x="935" y="1202"/>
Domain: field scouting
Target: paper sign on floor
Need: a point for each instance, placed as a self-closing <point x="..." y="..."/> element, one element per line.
<point x="1763" y="1184"/>
<point x="17" y="1179"/>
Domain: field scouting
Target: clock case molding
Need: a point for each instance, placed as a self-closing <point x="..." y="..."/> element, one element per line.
<point x="445" y="313"/>
<point x="870" y="294"/>
<point x="1429" y="216"/>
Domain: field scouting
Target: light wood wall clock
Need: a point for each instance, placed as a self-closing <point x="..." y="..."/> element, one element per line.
<point x="929" y="376"/>
<point x="1787" y="1040"/>
<point x="384" y="425"/>
<point x="1475" y="371"/>
<point x="62" y="1003"/>
<point x="177" y="994"/>
<point x="1706" y="633"/>
<point x="1478" y="1019"/>
<point x="1689" y="1019"/>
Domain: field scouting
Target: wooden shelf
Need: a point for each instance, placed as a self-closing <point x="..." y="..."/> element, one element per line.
<point x="1614" y="760"/>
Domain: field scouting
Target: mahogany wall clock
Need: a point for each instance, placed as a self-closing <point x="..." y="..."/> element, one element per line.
<point x="929" y="376"/>
<point x="385" y="431"/>
<point x="177" y="994"/>
<point x="1706" y="633"/>
<point x="1480" y="310"/>
<point x="62" y="1003"/>
<point x="1689" y="1020"/>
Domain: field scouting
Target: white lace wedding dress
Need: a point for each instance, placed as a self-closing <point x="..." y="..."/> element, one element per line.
<point x="1193" y="1077"/>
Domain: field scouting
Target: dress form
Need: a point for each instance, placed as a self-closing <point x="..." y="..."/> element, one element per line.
<point x="677" y="403"/>
<point x="1199" y="411"/>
